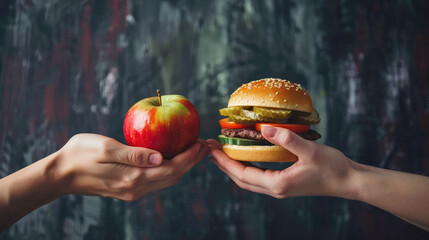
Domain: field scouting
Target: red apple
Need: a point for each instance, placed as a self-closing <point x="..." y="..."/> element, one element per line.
<point x="169" y="127"/>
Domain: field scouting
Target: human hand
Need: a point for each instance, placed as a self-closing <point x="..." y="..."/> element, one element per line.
<point x="319" y="170"/>
<point x="91" y="164"/>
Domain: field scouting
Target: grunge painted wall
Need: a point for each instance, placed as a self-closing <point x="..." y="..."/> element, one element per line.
<point x="72" y="66"/>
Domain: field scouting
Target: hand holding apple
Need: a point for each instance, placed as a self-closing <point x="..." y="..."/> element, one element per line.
<point x="168" y="124"/>
<point x="92" y="164"/>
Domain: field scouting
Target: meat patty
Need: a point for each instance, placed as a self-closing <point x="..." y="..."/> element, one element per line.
<point x="243" y="133"/>
<point x="253" y="134"/>
<point x="311" y="135"/>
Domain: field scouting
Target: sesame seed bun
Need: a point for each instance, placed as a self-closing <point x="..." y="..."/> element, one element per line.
<point x="272" y="93"/>
<point x="259" y="153"/>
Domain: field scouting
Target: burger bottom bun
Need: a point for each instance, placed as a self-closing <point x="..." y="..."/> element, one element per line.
<point x="259" y="153"/>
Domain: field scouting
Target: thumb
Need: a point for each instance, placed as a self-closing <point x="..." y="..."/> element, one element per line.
<point x="287" y="139"/>
<point x="140" y="157"/>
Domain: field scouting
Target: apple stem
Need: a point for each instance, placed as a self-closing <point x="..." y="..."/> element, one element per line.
<point x="159" y="97"/>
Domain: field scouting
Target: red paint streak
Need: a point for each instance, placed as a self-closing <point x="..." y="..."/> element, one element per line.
<point x="158" y="205"/>
<point x="52" y="100"/>
<point x="236" y="190"/>
<point x="377" y="6"/>
<point x="421" y="55"/>
<point x="142" y="205"/>
<point x="14" y="80"/>
<point x="49" y="102"/>
<point x="362" y="37"/>
<point x="85" y="55"/>
<point x="379" y="34"/>
<point x="62" y="137"/>
<point x="199" y="210"/>
<point x="29" y="3"/>
<point x="57" y="94"/>
<point x="422" y="62"/>
<point x="356" y="57"/>
<point x="117" y="25"/>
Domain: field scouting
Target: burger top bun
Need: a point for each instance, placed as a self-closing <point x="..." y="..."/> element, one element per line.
<point x="272" y="93"/>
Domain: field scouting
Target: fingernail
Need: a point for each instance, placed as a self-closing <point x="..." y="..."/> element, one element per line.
<point x="155" y="159"/>
<point x="269" y="131"/>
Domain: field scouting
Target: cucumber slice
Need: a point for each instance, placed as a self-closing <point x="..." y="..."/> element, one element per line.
<point x="242" y="141"/>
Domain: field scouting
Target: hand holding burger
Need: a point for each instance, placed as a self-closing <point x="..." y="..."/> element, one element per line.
<point x="324" y="171"/>
<point x="266" y="102"/>
<point x="320" y="170"/>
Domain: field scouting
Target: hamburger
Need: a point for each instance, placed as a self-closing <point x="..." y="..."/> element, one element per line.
<point x="270" y="101"/>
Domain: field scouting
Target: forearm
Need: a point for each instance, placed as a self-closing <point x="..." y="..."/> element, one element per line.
<point x="402" y="194"/>
<point x="28" y="189"/>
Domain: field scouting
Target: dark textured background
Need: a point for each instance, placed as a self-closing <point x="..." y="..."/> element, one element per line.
<point x="72" y="66"/>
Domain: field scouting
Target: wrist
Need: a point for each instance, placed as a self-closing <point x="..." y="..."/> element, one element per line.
<point x="56" y="173"/>
<point x="356" y="181"/>
<point x="28" y="189"/>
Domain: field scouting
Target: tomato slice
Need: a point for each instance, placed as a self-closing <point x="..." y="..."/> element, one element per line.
<point x="225" y="123"/>
<point x="296" y="128"/>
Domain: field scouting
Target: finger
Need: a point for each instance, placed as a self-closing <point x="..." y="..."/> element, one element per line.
<point x="139" y="157"/>
<point x="145" y="189"/>
<point x="170" y="172"/>
<point x="172" y="169"/>
<point x="214" y="144"/>
<point x="136" y="193"/>
<point x="244" y="185"/>
<point x="152" y="179"/>
<point x="188" y="158"/>
<point x="204" y="151"/>
<point x="202" y="141"/>
<point x="287" y="139"/>
<point x="247" y="174"/>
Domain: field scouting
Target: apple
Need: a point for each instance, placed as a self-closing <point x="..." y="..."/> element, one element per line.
<point x="168" y="124"/>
